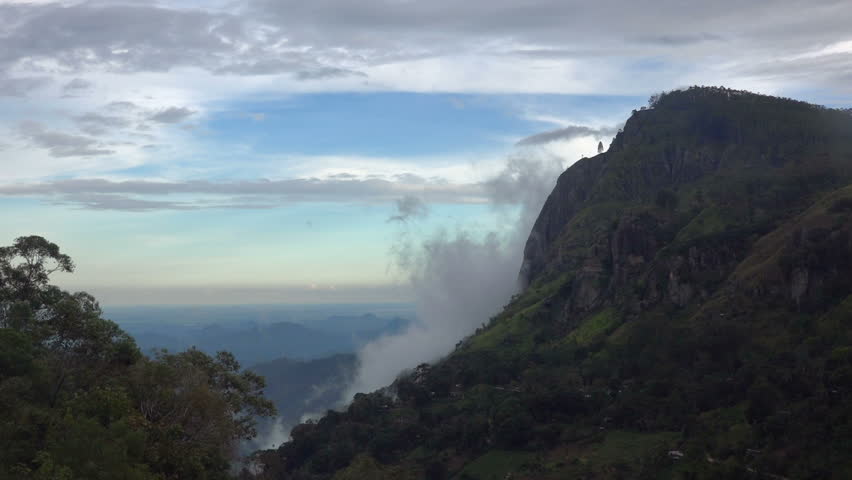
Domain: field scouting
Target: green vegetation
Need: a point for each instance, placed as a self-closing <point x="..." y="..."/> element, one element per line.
<point x="710" y="221"/>
<point x="629" y="448"/>
<point x="594" y="328"/>
<point x="496" y="464"/>
<point x="80" y="401"/>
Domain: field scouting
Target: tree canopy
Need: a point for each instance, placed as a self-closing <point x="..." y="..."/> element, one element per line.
<point x="80" y="401"/>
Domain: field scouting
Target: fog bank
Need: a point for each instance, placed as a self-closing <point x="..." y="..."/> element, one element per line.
<point x="460" y="279"/>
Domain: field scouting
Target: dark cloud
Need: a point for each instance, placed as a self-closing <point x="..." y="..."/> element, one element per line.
<point x="76" y="87"/>
<point x="142" y="37"/>
<point x="835" y="67"/>
<point x="261" y="66"/>
<point x="567" y="133"/>
<point x="111" y="201"/>
<point x="331" y="38"/>
<point x="552" y="53"/>
<point x="249" y="194"/>
<point x="409" y="207"/>
<point x="121" y="37"/>
<point x="61" y="144"/>
<point x="327" y="72"/>
<point x="100" y="201"/>
<point x="343" y="176"/>
<point x="682" y="39"/>
<point x="122" y="106"/>
<point x="554" y="23"/>
<point x="20" y="86"/>
<point x="97" y="124"/>
<point x="172" y="115"/>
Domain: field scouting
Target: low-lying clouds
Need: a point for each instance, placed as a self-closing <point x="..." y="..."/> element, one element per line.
<point x="141" y="195"/>
<point x="567" y="133"/>
<point x="460" y="279"/>
<point x="407" y="184"/>
<point x="20" y="86"/>
<point x="408" y="208"/>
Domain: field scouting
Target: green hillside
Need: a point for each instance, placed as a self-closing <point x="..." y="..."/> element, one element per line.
<point x="687" y="316"/>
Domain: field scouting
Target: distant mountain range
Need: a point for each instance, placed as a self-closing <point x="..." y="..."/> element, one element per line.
<point x="248" y="334"/>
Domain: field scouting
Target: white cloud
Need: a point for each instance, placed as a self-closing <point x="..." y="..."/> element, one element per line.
<point x="160" y="64"/>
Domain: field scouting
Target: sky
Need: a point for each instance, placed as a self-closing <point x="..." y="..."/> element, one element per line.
<point x="271" y="151"/>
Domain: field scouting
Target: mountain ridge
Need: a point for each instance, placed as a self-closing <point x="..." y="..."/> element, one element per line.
<point x="685" y="316"/>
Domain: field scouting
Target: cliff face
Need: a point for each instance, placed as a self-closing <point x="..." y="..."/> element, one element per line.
<point x="697" y="141"/>
<point x="686" y="316"/>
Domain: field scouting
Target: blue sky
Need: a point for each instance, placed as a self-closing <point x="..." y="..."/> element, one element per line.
<point x="404" y="123"/>
<point x="204" y="152"/>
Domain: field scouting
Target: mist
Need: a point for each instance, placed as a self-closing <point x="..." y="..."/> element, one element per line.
<point x="461" y="279"/>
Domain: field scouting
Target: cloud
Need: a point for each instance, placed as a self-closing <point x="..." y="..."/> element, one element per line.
<point x="126" y="38"/>
<point x="76" y="87"/>
<point x="327" y="72"/>
<point x="459" y="280"/>
<point x="97" y="124"/>
<point x="682" y="39"/>
<point x="100" y="201"/>
<point x="144" y="195"/>
<point x="567" y="133"/>
<point x="61" y="144"/>
<point x="121" y="106"/>
<point x="829" y="68"/>
<point x="409" y="207"/>
<point x="20" y="86"/>
<point x="172" y="115"/>
<point x="396" y="43"/>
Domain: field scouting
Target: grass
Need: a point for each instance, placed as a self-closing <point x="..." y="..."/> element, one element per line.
<point x="708" y="222"/>
<point x="514" y="326"/>
<point x="623" y="447"/>
<point x="496" y="464"/>
<point x="595" y="328"/>
<point x="614" y="454"/>
<point x="515" y="330"/>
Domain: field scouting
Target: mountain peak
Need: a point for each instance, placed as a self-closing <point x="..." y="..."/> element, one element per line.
<point x="691" y="139"/>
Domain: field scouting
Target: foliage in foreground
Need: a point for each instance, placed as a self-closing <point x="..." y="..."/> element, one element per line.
<point x="79" y="401"/>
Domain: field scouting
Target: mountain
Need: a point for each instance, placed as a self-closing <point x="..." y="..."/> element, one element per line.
<point x="256" y="334"/>
<point x="299" y="388"/>
<point x="368" y="325"/>
<point x="686" y="315"/>
<point x="251" y="343"/>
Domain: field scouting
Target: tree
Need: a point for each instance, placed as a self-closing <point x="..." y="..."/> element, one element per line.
<point x="79" y="400"/>
<point x="25" y="269"/>
<point x="600" y="147"/>
<point x="196" y="407"/>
